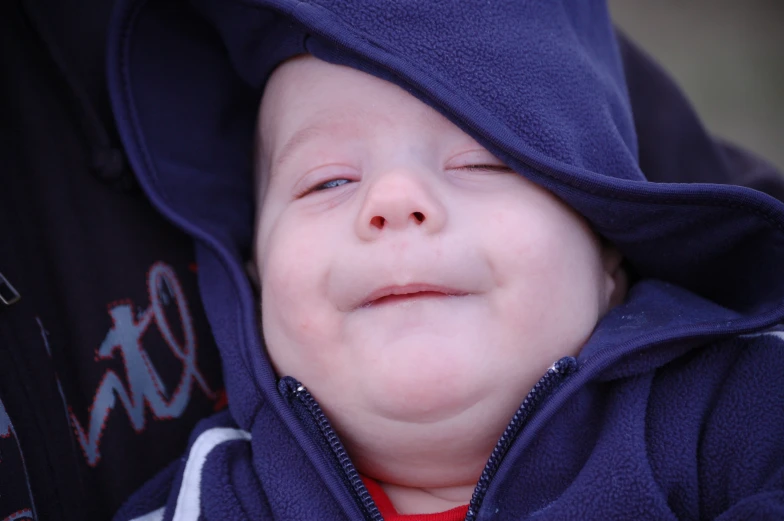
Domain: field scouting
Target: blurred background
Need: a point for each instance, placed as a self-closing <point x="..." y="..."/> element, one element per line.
<point x="727" y="55"/>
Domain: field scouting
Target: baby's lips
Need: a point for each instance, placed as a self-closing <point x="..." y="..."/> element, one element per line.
<point x="389" y="292"/>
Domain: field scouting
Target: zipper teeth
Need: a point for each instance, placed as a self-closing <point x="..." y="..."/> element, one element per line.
<point x="369" y="506"/>
<point x="554" y="377"/>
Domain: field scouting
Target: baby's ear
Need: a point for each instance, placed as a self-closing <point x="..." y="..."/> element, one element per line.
<point x="253" y="275"/>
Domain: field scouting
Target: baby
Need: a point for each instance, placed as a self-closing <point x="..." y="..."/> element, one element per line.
<point x="418" y="285"/>
<point x="472" y="303"/>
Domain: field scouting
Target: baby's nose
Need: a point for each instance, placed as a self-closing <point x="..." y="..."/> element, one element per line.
<point x="396" y="201"/>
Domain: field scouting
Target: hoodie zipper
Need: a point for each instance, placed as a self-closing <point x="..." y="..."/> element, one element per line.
<point x="309" y="412"/>
<point x="554" y="377"/>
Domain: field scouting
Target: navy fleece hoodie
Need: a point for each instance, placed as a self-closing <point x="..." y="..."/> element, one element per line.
<point x="673" y="408"/>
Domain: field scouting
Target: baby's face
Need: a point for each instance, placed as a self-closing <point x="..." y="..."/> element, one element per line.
<point x="407" y="275"/>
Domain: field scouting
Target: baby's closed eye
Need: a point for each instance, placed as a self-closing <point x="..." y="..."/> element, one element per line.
<point x="491" y="168"/>
<point x="476" y="160"/>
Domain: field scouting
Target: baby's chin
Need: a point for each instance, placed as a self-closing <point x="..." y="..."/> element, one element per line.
<point x="428" y="407"/>
<point x="437" y="370"/>
<point x="424" y="379"/>
<point x="434" y="418"/>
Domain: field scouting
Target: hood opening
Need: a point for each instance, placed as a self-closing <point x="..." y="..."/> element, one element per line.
<point x="186" y="81"/>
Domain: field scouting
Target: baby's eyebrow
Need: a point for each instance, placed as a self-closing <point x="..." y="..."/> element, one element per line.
<point x="333" y="124"/>
<point x="300" y="137"/>
<point x="338" y="125"/>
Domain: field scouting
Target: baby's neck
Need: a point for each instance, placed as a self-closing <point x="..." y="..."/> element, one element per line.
<point x="407" y="500"/>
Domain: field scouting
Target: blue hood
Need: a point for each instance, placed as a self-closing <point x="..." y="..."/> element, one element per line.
<point x="540" y="84"/>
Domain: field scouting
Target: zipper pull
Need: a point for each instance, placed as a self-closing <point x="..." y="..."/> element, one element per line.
<point x="8" y="294"/>
<point x="290" y="388"/>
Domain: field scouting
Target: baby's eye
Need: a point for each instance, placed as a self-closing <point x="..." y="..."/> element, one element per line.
<point x="476" y="160"/>
<point x="490" y="168"/>
<point x="332" y="183"/>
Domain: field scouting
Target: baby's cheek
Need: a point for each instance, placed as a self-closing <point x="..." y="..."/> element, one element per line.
<point x="285" y="300"/>
<point x="297" y="320"/>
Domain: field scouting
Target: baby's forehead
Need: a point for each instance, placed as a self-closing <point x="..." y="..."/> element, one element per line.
<point x="306" y="98"/>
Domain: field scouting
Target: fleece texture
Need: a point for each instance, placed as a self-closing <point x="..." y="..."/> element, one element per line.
<point x="672" y="409"/>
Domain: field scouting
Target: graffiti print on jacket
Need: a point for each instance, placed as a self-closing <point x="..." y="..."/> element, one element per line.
<point x="5" y="422"/>
<point x="145" y="385"/>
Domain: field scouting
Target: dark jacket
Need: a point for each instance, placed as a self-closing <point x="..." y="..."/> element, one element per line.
<point x="94" y="398"/>
<point x="671" y="410"/>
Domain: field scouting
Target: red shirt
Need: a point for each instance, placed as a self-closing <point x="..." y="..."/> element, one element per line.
<point x="390" y="514"/>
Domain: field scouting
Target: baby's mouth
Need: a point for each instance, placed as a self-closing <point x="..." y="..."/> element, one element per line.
<point x="409" y="293"/>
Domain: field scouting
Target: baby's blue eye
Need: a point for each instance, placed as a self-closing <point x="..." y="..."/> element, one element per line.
<point x="333" y="183"/>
